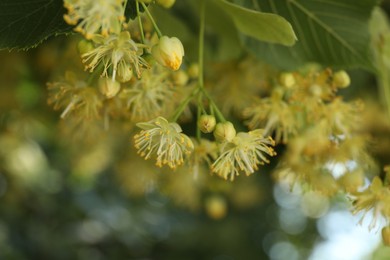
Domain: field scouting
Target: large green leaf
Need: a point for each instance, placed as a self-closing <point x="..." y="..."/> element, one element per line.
<point x="25" y="23"/>
<point x="259" y="25"/>
<point x="330" y="32"/>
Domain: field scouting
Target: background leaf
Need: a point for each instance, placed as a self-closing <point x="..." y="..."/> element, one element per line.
<point x="26" y="23"/>
<point x="330" y="32"/>
<point x="262" y="26"/>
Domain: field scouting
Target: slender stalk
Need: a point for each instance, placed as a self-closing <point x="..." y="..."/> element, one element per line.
<point x="198" y="133"/>
<point x="183" y="105"/>
<point x="152" y="20"/>
<point x="201" y="44"/>
<point x="141" y="28"/>
<point x="200" y="62"/>
<point x="95" y="74"/>
<point x="385" y="85"/>
<point x="215" y="109"/>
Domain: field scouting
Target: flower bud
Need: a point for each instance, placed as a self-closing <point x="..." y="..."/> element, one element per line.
<point x="386" y="235"/>
<point x="180" y="78"/>
<point x="341" y="79"/>
<point x="169" y="52"/>
<point x="352" y="181"/>
<point x="109" y="88"/>
<point x="166" y="3"/>
<point x="287" y="80"/>
<point x="84" y="46"/>
<point x="206" y="123"/>
<point x="216" y="207"/>
<point x="224" y="132"/>
<point x="193" y="70"/>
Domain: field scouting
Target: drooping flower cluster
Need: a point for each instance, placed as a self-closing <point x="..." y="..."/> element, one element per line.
<point x="243" y="154"/>
<point x="300" y="110"/>
<point x="164" y="140"/>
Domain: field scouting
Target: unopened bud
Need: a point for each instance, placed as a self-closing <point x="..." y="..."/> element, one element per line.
<point x="206" y="123"/>
<point x="109" y="88"/>
<point x="166" y="3"/>
<point x="386" y="235"/>
<point x="216" y="207"/>
<point x="287" y="80"/>
<point x="341" y="79"/>
<point x="169" y="52"/>
<point x="352" y="181"/>
<point x="224" y="132"/>
<point x="193" y="70"/>
<point x="84" y="46"/>
<point x="180" y="78"/>
<point x="124" y="74"/>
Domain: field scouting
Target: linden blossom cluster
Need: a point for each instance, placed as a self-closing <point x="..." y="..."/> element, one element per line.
<point x="241" y="152"/>
<point x="111" y="49"/>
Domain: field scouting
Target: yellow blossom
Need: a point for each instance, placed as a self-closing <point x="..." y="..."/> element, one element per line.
<point x="75" y="96"/>
<point x="97" y="16"/>
<point x="150" y="96"/>
<point x="243" y="154"/>
<point x="164" y="140"/>
<point x="117" y="53"/>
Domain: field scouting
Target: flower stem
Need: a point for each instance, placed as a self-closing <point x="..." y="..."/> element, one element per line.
<point x="201" y="64"/>
<point x="152" y="20"/>
<point x="198" y="133"/>
<point x="201" y="44"/>
<point x="183" y="105"/>
<point x="214" y="106"/>
<point x="140" y="22"/>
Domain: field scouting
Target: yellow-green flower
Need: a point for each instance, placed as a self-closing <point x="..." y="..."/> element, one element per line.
<point x="119" y="56"/>
<point x="95" y="16"/>
<point x="165" y="141"/>
<point x="75" y="97"/>
<point x="375" y="197"/>
<point x="150" y="96"/>
<point x="243" y="154"/>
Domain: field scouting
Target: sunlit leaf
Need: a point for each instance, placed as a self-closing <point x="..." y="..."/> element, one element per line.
<point x="330" y="32"/>
<point x="259" y="25"/>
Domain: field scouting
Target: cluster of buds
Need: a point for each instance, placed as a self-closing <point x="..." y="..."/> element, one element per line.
<point x="239" y="152"/>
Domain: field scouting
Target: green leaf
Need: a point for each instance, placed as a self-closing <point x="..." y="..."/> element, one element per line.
<point x="26" y="23"/>
<point x="330" y="32"/>
<point x="131" y="9"/>
<point x="262" y="26"/>
<point x="380" y="43"/>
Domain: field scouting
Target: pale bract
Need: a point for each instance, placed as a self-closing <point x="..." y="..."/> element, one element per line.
<point x="243" y="154"/>
<point x="164" y="140"/>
